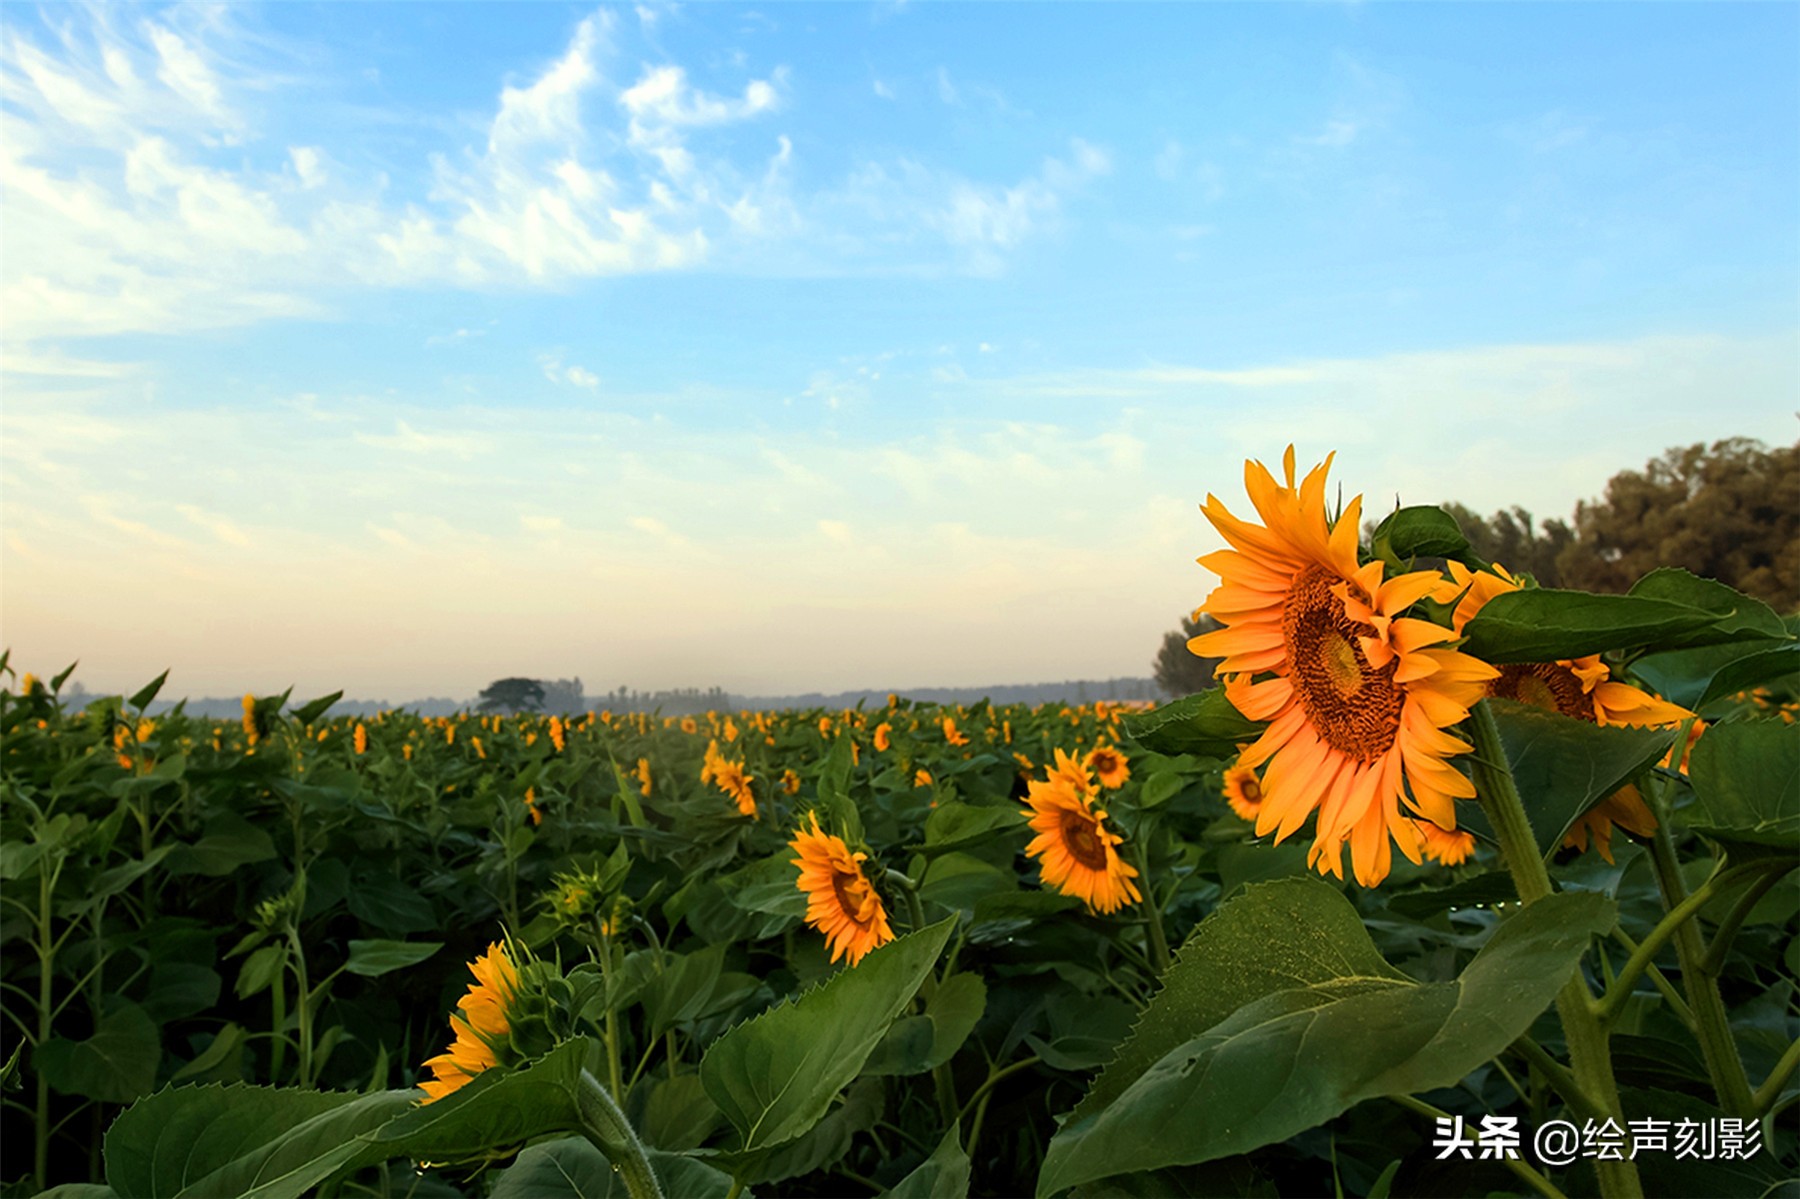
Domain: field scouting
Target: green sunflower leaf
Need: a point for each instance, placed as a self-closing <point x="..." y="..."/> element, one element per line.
<point x="1563" y="766"/>
<point x="271" y="1143"/>
<point x="1547" y="625"/>
<point x="775" y="1076"/>
<point x="1311" y="1022"/>
<point x="1746" y="777"/>
<point x="1205" y="725"/>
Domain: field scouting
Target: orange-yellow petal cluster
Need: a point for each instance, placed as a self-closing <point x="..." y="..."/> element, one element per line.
<point x="1580" y="688"/>
<point x="1243" y="791"/>
<point x="1109" y="765"/>
<point x="1447" y="847"/>
<point x="480" y="1024"/>
<point x="840" y="901"/>
<point x="1078" y="854"/>
<point x="1357" y="696"/>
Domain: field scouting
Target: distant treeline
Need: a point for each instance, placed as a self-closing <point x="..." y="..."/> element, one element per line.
<point x="685" y="701"/>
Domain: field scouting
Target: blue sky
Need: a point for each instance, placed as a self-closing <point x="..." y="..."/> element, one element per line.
<point x="397" y="347"/>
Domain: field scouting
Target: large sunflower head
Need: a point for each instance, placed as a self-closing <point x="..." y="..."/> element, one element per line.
<point x="840" y="900"/>
<point x="1357" y="696"/>
<point x="1078" y="853"/>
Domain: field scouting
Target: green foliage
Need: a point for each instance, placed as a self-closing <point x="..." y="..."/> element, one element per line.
<point x="1747" y="784"/>
<point x="1353" y="1029"/>
<point x="1204" y="725"/>
<point x="774" y="1076"/>
<point x="1177" y="669"/>
<point x="301" y="915"/>
<point x="1563" y="767"/>
<point x="203" y="1142"/>
<point x="571" y="1168"/>
<point x="1418" y="532"/>
<point x="1546" y="625"/>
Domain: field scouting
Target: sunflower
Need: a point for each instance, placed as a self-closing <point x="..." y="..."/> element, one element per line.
<point x="840" y="902"/>
<point x="1109" y="765"/>
<point x="1625" y="808"/>
<point x="951" y="734"/>
<point x="1448" y="847"/>
<point x="730" y="778"/>
<point x="1356" y="696"/>
<point x="480" y="1023"/>
<point x="643" y="776"/>
<point x="1579" y="688"/>
<point x="1243" y="791"/>
<point x="882" y="739"/>
<point x="1077" y="852"/>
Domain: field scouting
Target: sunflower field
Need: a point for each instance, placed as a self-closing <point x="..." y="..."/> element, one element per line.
<point x="1453" y="885"/>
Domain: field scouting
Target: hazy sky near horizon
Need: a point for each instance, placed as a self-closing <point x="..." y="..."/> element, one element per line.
<point x="399" y="347"/>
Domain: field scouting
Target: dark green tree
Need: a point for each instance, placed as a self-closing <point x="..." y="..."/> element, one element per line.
<point x="1178" y="670"/>
<point x="512" y="695"/>
<point x="1729" y="511"/>
<point x="1510" y="538"/>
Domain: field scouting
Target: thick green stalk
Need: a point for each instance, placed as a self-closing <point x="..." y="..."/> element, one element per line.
<point x="605" y="1125"/>
<point x="1590" y="1058"/>
<point x="1711" y="1025"/>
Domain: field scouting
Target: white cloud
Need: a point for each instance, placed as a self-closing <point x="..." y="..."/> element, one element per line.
<point x="139" y="197"/>
<point x="409" y="440"/>
<point x="946" y="90"/>
<point x="574" y="376"/>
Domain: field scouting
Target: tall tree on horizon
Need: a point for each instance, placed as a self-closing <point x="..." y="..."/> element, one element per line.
<point x="1177" y="669"/>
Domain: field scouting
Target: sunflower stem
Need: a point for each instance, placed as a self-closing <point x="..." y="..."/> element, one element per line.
<point x="1711" y="1026"/>
<point x="1719" y="947"/>
<point x="1679" y="914"/>
<point x="1766" y="1095"/>
<point x="1158" y="943"/>
<point x="910" y="889"/>
<point x="605" y="1125"/>
<point x="1590" y="1057"/>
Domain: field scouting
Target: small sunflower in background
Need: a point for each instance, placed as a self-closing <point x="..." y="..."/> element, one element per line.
<point x="840" y="901"/>
<point x="1243" y="791"/>
<point x="1109" y="765"/>
<point x="1078" y="854"/>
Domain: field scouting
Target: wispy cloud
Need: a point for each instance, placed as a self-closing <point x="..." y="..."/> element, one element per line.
<point x="1046" y="504"/>
<point x="133" y="204"/>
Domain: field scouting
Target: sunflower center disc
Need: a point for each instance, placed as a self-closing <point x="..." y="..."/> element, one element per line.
<point x="852" y="895"/>
<point x="1353" y="707"/>
<point x="1084" y="845"/>
<point x="1544" y="685"/>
